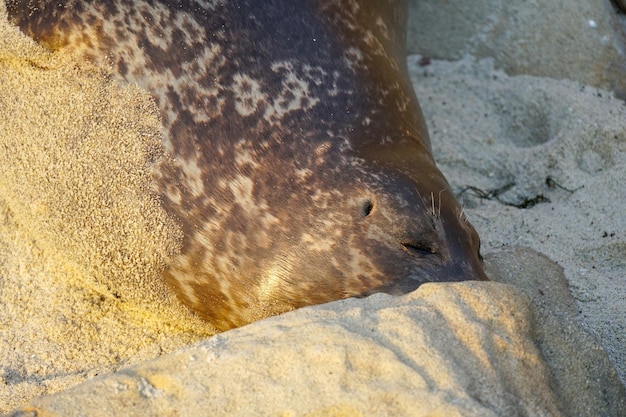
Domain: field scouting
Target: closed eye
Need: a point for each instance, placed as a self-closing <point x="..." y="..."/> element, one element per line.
<point x="417" y="248"/>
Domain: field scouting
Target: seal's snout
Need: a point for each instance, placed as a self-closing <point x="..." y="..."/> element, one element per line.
<point x="463" y="245"/>
<point x="456" y="258"/>
<point x="415" y="233"/>
<point x="464" y="267"/>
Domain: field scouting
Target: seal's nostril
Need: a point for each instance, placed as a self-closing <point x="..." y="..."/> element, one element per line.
<point x="368" y="206"/>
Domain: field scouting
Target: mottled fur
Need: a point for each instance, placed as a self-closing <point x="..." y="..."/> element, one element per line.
<point x="302" y="170"/>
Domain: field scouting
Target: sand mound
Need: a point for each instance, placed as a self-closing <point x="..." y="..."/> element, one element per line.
<point x="467" y="349"/>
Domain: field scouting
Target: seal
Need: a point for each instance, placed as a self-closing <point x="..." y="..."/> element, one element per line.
<point x="301" y="169"/>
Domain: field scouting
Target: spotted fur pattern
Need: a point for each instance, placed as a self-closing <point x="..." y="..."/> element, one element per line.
<point x="301" y="169"/>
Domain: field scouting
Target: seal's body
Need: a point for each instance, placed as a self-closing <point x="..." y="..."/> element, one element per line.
<point x="301" y="167"/>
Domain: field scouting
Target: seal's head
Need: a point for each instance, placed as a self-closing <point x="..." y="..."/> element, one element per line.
<point x="310" y="227"/>
<point x="301" y="169"/>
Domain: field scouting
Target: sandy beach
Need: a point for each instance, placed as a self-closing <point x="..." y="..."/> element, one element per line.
<point x="538" y="162"/>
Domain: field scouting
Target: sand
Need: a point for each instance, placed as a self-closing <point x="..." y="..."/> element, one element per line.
<point x="82" y="238"/>
<point x="523" y="130"/>
<point x="464" y="349"/>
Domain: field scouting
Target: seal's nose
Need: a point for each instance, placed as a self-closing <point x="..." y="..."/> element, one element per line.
<point x="464" y="261"/>
<point x="465" y="267"/>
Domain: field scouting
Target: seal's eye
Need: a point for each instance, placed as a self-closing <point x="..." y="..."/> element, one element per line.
<point x="417" y="248"/>
<point x="368" y="206"/>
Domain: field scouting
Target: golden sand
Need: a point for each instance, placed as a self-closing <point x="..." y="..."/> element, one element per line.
<point x="83" y="239"/>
